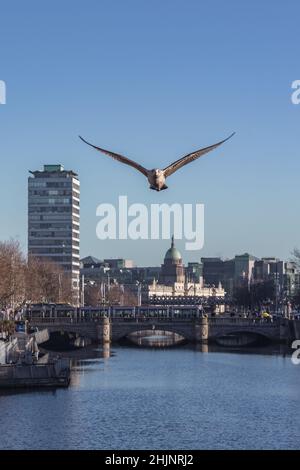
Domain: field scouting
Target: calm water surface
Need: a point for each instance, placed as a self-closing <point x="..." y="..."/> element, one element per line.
<point x="161" y="399"/>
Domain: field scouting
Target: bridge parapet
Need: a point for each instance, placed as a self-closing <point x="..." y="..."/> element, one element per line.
<point x="193" y="329"/>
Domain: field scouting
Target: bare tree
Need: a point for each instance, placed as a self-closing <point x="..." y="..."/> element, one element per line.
<point x="92" y="295"/>
<point x="12" y="275"/>
<point x="130" y="298"/>
<point x="46" y="281"/>
<point x="34" y="281"/>
<point x="7" y="327"/>
<point x="119" y="295"/>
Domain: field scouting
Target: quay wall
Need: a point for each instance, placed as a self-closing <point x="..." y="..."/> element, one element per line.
<point x="7" y="351"/>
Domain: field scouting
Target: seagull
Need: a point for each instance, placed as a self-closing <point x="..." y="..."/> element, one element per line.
<point x="157" y="177"/>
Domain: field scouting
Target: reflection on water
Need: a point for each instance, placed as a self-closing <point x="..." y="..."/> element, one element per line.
<point x="155" y="338"/>
<point x="162" y="398"/>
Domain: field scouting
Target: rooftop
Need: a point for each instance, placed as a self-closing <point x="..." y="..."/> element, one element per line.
<point x="173" y="254"/>
<point x="53" y="170"/>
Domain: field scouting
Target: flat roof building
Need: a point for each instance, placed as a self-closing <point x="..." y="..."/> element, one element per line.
<point x="54" y="219"/>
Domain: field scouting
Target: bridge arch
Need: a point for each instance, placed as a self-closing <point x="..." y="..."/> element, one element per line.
<point x="121" y="333"/>
<point x="242" y="337"/>
<point x="67" y="336"/>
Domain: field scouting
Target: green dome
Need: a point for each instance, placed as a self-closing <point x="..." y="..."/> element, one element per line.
<point x="173" y="254"/>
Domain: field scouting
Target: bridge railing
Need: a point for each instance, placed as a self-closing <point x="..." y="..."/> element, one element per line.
<point x="213" y="321"/>
<point x="219" y="321"/>
<point x="121" y="319"/>
<point x="63" y="321"/>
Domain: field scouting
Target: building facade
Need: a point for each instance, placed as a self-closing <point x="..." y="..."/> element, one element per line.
<point x="54" y="219"/>
<point x="177" y="281"/>
<point x="213" y="270"/>
<point x="243" y="269"/>
<point x="217" y="271"/>
<point x="284" y="274"/>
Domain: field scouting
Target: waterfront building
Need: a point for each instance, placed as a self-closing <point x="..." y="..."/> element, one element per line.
<point x="175" y="281"/>
<point x="184" y="289"/>
<point x="54" y="219"/>
<point x="172" y="279"/>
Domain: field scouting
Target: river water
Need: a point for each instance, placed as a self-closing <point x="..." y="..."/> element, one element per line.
<point x="177" y="398"/>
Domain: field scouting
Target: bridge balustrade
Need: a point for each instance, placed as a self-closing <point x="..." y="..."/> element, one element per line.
<point x="242" y="321"/>
<point x="139" y="314"/>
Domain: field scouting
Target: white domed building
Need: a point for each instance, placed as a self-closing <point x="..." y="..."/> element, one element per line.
<point x="172" y="270"/>
<point x="173" y="282"/>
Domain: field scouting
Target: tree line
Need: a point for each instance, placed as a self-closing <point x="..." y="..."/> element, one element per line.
<point x="37" y="280"/>
<point x="31" y="280"/>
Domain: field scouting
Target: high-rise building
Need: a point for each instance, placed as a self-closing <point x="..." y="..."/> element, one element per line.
<point x="53" y="219"/>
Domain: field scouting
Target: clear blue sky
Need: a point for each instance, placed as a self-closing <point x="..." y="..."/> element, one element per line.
<point x="155" y="80"/>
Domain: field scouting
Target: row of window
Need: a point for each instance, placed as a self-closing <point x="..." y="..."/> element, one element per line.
<point x="54" y="225"/>
<point x="49" y="184"/>
<point x="60" y="230"/>
<point x="50" y="192"/>
<point x="41" y="200"/>
<point x="48" y="242"/>
<point x="55" y="201"/>
<point x="45" y="251"/>
<point x="58" y="221"/>
<point x="55" y="217"/>
<point x="49" y="209"/>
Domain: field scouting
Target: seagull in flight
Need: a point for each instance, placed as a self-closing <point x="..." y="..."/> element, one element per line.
<point x="157" y="177"/>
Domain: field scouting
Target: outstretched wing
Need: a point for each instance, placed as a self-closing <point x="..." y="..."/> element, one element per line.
<point x="191" y="157"/>
<point x="119" y="157"/>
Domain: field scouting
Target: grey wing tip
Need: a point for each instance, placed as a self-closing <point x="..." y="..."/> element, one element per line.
<point x="227" y="138"/>
<point x="231" y="135"/>
<point x="85" y="141"/>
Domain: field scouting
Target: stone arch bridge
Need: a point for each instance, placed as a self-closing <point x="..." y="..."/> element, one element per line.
<point x="191" y="329"/>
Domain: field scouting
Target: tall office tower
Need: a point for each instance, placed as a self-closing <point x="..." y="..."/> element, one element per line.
<point x="53" y="219"/>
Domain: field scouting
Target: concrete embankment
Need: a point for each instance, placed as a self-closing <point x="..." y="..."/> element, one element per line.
<point x="20" y="367"/>
<point x="56" y="374"/>
<point x="8" y="350"/>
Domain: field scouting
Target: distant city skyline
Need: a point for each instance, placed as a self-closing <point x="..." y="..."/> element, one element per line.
<point x="157" y="80"/>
